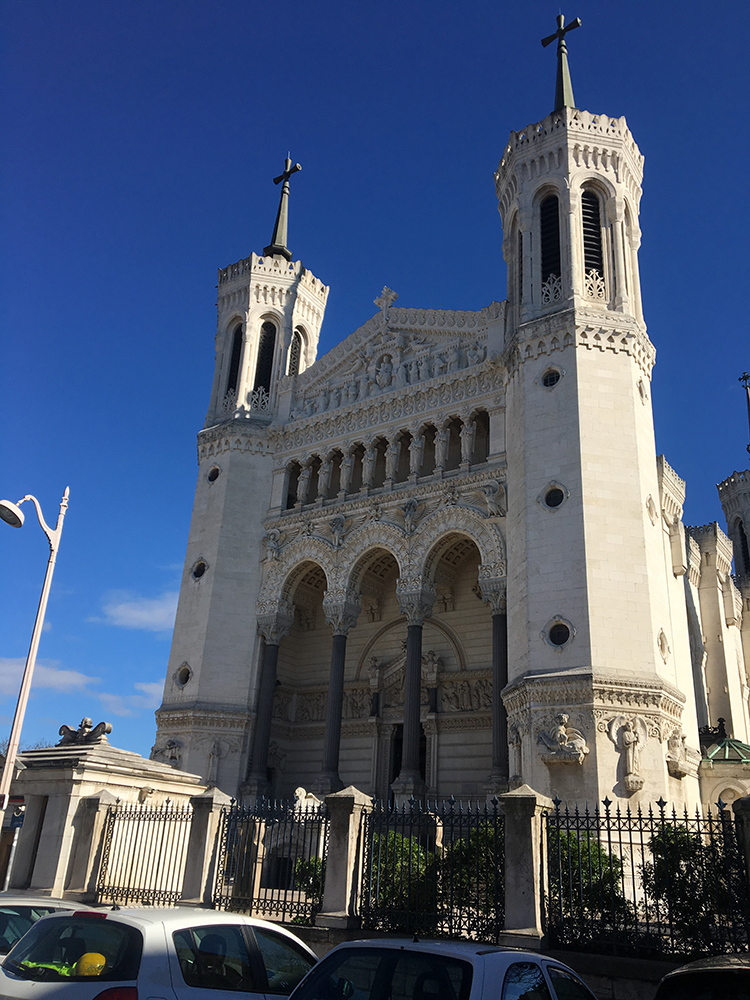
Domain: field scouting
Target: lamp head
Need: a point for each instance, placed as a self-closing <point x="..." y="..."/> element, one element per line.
<point x="11" y="513"/>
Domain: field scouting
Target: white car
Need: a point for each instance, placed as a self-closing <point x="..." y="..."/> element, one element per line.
<point x="19" y="910"/>
<point x="171" y="954"/>
<point x="438" y="970"/>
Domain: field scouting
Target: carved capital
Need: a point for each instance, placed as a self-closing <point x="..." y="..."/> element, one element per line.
<point x="341" y="608"/>
<point x="416" y="597"/>
<point x="495" y="593"/>
<point x="275" y="618"/>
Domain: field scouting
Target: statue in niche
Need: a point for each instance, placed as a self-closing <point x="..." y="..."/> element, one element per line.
<point x="324" y="479"/>
<point x="474" y="354"/>
<point x="562" y="744"/>
<point x="347" y="466"/>
<point x="303" y="484"/>
<point x="468" y="434"/>
<point x="424" y="368"/>
<point x="629" y="736"/>
<point x="402" y="376"/>
<point x="392" y="453"/>
<point x="368" y="465"/>
<point x="413" y="372"/>
<point x="677" y="755"/>
<point x="416" y="454"/>
<point x="440" y="366"/>
<point x="373" y="671"/>
<point x="385" y="372"/>
<point x="441" y="447"/>
<point x="454" y="358"/>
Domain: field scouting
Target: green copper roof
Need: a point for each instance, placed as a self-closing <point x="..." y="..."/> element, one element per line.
<point x="563" y="86"/>
<point x="728" y="749"/>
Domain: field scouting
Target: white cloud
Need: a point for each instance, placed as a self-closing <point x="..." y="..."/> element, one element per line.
<point x="126" y="704"/>
<point x="127" y="610"/>
<point x="152" y="692"/>
<point x="47" y="627"/>
<point x="46" y="675"/>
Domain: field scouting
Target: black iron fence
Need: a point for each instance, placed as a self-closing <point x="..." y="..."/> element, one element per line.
<point x="652" y="884"/>
<point x="434" y="869"/>
<point x="143" y="854"/>
<point x="272" y="860"/>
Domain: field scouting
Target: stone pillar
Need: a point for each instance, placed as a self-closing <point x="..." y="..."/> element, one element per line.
<point x="494" y="594"/>
<point x="203" y="846"/>
<point x="416" y="598"/>
<point x="741" y="810"/>
<point x="273" y="625"/>
<point x="524" y="809"/>
<point x="344" y="865"/>
<point x="341" y="610"/>
<point x="89" y="825"/>
<point x="616" y="213"/>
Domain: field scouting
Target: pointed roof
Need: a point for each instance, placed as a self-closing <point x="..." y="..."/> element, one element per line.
<point x="277" y="247"/>
<point x="728" y="749"/>
<point x="563" y="85"/>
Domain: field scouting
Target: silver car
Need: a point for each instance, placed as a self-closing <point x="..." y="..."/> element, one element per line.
<point x="438" y="970"/>
<point x="18" y="911"/>
<point x="175" y="954"/>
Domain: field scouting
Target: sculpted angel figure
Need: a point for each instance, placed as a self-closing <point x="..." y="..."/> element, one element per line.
<point x="562" y="743"/>
<point x="273" y="544"/>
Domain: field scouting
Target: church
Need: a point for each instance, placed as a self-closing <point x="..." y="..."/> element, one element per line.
<point x="444" y="558"/>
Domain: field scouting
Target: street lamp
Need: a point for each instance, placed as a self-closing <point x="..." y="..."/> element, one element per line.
<point x="12" y="514"/>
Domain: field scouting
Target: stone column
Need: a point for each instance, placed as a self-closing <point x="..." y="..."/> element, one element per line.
<point x="494" y="594"/>
<point x="273" y="624"/>
<point x="203" y="847"/>
<point x="416" y="598"/>
<point x="86" y="861"/>
<point x="524" y="865"/>
<point x="344" y="868"/>
<point x="616" y="215"/>
<point x="341" y="609"/>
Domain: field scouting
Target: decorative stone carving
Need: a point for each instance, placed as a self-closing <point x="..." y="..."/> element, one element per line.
<point x="337" y="525"/>
<point x="682" y="760"/>
<point x="468" y="435"/>
<point x="495" y="593"/>
<point x="169" y="752"/>
<point x="416" y="598"/>
<point x="386" y="299"/>
<point x="87" y="733"/>
<point x="275" y="618"/>
<point x="442" y="436"/>
<point x="629" y="736"/>
<point x="562" y="744"/>
<point x="494" y="494"/>
<point x="341" y="609"/>
<point x="272" y="543"/>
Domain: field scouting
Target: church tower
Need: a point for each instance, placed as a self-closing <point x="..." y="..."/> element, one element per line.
<point x="270" y="310"/>
<point x="596" y="553"/>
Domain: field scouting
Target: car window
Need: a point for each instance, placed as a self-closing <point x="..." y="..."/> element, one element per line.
<point x="387" y="974"/>
<point x="78" y="948"/>
<point x="716" y="984"/>
<point x="525" y="981"/>
<point x="216" y="958"/>
<point x="567" y="986"/>
<point x="285" y="963"/>
<point x="16" y="920"/>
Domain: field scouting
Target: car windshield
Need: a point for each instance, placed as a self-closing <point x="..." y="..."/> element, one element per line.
<point x="714" y="984"/>
<point x="77" y="948"/>
<point x="386" y="974"/>
<point x="16" y="920"/>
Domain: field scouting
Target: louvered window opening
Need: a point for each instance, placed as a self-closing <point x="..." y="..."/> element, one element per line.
<point x="744" y="548"/>
<point x="593" y="257"/>
<point x="549" y="218"/>
<point x="234" y="361"/>
<point x="265" y="356"/>
<point x="520" y="267"/>
<point x="295" y="353"/>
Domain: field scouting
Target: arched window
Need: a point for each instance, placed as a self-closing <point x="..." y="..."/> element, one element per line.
<point x="593" y="256"/>
<point x="234" y="362"/>
<point x="519" y="266"/>
<point x="295" y="353"/>
<point x="264" y="366"/>
<point x="549" y="223"/>
<point x="744" y="549"/>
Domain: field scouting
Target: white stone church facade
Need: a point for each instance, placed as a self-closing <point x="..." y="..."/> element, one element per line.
<point x="444" y="557"/>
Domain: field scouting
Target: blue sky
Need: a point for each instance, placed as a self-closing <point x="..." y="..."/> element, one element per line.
<point x="138" y="147"/>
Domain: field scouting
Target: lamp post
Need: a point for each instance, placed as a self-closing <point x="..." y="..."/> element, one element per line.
<point x="12" y="514"/>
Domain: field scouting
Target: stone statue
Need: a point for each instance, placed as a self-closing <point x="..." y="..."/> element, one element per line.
<point x="468" y="434"/>
<point x="385" y="372"/>
<point x="368" y="465"/>
<point x="629" y="736"/>
<point x="562" y="744"/>
<point x="347" y="466"/>
<point x="410" y="510"/>
<point x="402" y="376"/>
<point x="273" y="544"/>
<point x="324" y="479"/>
<point x="424" y="368"/>
<point x="337" y="525"/>
<point x="441" y="447"/>
<point x="86" y="733"/>
<point x="416" y="454"/>
<point x="392" y="454"/>
<point x="303" y="484"/>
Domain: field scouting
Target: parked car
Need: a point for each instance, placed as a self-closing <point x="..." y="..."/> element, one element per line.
<point x="437" y="970"/>
<point x="18" y="911"/>
<point x="176" y="954"/>
<point x="726" y="977"/>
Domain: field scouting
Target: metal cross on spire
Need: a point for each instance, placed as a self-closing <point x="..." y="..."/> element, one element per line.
<point x="278" y="247"/>
<point x="563" y="86"/>
<point x="745" y="379"/>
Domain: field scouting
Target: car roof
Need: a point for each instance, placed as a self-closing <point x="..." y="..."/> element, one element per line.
<point x="27" y="899"/>
<point x="719" y="963"/>
<point x="456" y="949"/>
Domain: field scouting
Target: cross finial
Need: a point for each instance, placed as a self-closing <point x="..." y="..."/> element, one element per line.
<point x="563" y="86"/>
<point x="277" y="246"/>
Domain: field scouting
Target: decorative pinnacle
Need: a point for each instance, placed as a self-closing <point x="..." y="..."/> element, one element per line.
<point x="278" y="247"/>
<point x="563" y="86"/>
<point x="745" y="379"/>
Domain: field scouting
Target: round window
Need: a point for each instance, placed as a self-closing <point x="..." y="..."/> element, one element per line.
<point x="199" y="569"/>
<point x="559" y="634"/>
<point x="183" y="675"/>
<point x="213" y="474"/>
<point x="554" y="497"/>
<point x="551" y="377"/>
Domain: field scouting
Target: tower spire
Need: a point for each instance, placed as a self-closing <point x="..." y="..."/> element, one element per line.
<point x="278" y="247"/>
<point x="745" y="379"/>
<point x="563" y="86"/>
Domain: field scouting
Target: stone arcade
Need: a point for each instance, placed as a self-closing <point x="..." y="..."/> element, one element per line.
<point x="444" y="558"/>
